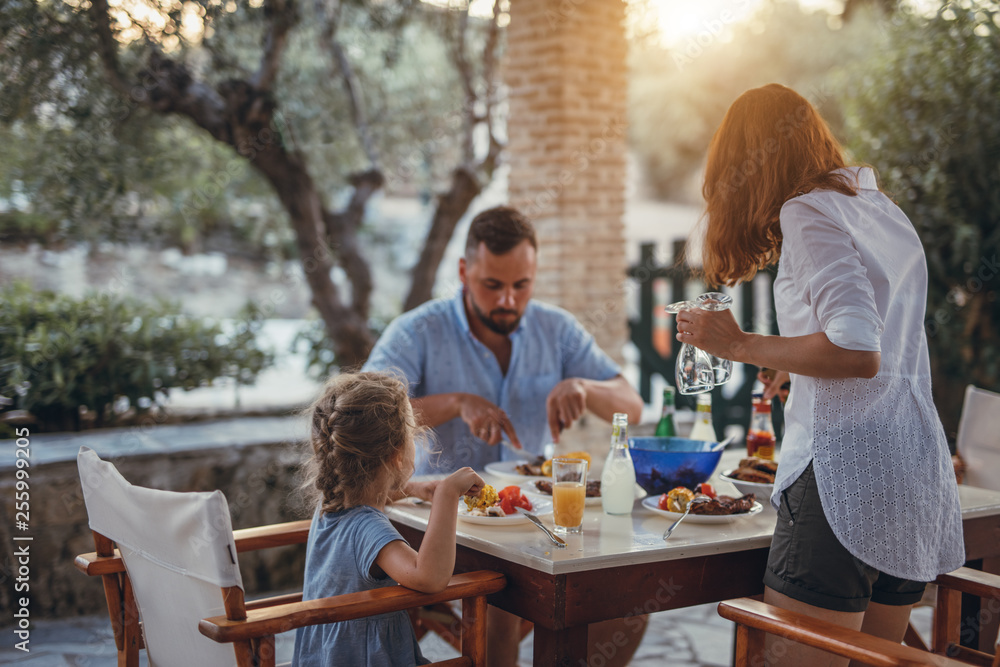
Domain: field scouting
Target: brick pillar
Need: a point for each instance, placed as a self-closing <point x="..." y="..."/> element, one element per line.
<point x="566" y="73"/>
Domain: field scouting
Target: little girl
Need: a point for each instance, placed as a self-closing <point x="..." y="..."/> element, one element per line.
<point x="363" y="449"/>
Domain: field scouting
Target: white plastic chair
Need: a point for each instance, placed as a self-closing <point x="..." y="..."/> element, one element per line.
<point x="978" y="441"/>
<point x="176" y="566"/>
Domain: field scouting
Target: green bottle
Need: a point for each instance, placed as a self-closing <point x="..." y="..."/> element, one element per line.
<point x="666" y="426"/>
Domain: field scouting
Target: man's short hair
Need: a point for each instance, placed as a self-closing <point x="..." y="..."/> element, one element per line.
<point x="501" y="228"/>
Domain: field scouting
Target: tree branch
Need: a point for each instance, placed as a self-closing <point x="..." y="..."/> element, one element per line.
<point x="466" y="75"/>
<point x="341" y="230"/>
<point x="451" y="206"/>
<point x="328" y="40"/>
<point x="107" y="46"/>
<point x="281" y="15"/>
<point x="490" y="57"/>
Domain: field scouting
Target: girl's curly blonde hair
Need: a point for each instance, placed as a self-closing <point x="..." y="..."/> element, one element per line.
<point x="360" y="426"/>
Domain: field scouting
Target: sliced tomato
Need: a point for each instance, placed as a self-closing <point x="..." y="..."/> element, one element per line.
<point x="511" y="497"/>
<point x="707" y="489"/>
<point x="662" y="504"/>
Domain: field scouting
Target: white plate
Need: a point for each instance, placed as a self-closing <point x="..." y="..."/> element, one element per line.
<point x="760" y="490"/>
<point x="540" y="506"/>
<point x="652" y="505"/>
<point x="532" y="492"/>
<point x="505" y="470"/>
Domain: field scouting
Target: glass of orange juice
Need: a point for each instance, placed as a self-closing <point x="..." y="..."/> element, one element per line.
<point x="569" y="494"/>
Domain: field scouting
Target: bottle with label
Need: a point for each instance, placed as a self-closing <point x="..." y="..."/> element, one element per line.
<point x="760" y="437"/>
<point x="703" y="428"/>
<point x="665" y="428"/>
<point x="618" y="476"/>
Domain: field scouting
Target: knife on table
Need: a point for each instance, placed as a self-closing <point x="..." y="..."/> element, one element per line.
<point x="556" y="540"/>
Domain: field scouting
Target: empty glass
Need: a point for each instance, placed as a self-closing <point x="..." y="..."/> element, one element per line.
<point x="698" y="371"/>
<point x="723" y="368"/>
<point x="694" y="372"/>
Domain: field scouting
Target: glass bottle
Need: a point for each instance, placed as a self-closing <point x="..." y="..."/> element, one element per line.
<point x="666" y="428"/>
<point x="760" y="437"/>
<point x="703" y="428"/>
<point x="618" y="476"/>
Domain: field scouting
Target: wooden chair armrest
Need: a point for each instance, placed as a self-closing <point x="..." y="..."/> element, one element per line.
<point x="273" y="601"/>
<point x="275" y="535"/>
<point x="95" y="566"/>
<point x="827" y="636"/>
<point x="974" y="582"/>
<point x="247" y="539"/>
<point x="275" y="619"/>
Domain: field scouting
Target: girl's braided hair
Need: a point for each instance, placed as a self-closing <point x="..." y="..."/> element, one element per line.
<point x="360" y="424"/>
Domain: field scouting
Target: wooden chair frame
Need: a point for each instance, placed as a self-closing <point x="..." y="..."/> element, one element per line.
<point x="251" y="626"/>
<point x="754" y="619"/>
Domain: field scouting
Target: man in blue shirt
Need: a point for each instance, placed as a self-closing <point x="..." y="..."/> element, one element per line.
<point x="490" y="363"/>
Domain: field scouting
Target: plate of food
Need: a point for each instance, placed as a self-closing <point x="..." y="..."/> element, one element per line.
<point x="542" y="488"/>
<point x="498" y="508"/>
<point x="520" y="471"/>
<point x="710" y="508"/>
<point x="526" y="471"/>
<point x="754" y="476"/>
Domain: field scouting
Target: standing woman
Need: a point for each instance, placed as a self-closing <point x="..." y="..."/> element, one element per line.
<point x="866" y="496"/>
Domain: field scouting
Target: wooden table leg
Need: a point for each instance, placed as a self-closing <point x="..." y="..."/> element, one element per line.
<point x="561" y="648"/>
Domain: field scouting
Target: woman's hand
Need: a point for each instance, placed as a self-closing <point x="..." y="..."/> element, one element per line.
<point x="715" y="332"/>
<point x="776" y="383"/>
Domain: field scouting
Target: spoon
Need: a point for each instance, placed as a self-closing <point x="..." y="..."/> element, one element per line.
<point x="723" y="444"/>
<point x="667" y="532"/>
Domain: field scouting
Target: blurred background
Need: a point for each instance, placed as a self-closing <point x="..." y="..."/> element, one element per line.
<point x="148" y="268"/>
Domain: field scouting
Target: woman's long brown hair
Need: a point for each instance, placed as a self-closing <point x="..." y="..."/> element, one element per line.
<point x="771" y="146"/>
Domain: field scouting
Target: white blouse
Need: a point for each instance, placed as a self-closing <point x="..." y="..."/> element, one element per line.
<point x="854" y="268"/>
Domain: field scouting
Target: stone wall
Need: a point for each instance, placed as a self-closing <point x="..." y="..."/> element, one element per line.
<point x="258" y="480"/>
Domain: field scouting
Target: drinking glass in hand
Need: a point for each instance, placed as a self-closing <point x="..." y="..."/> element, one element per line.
<point x="569" y="494"/>
<point x="723" y="368"/>
<point x="694" y="373"/>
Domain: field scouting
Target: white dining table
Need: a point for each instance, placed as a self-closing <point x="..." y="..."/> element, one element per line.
<point x="621" y="567"/>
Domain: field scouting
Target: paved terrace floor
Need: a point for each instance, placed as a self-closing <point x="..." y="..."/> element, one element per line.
<point x="695" y="637"/>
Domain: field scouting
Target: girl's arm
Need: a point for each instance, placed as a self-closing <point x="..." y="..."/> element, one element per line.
<point x="429" y="569"/>
<point x="813" y="355"/>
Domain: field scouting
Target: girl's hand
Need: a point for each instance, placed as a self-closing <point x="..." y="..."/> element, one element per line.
<point x="715" y="332"/>
<point x="463" y="482"/>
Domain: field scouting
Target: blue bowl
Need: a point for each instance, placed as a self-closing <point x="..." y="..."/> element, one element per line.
<point x="664" y="463"/>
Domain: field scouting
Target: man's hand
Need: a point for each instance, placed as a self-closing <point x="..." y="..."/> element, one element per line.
<point x="566" y="403"/>
<point x="486" y="421"/>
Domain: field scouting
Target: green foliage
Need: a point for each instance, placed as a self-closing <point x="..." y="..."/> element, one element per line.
<point x="321" y="358"/>
<point x="679" y="94"/>
<point x="927" y="114"/>
<point x="59" y="355"/>
<point x="80" y="163"/>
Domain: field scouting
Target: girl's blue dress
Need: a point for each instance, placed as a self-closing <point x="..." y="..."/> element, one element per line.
<point x="340" y="553"/>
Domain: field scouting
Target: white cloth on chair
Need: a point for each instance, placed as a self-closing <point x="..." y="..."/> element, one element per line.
<point x="979" y="438"/>
<point x="179" y="551"/>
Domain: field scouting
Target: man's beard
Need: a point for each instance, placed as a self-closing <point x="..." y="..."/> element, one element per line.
<point x="502" y="328"/>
